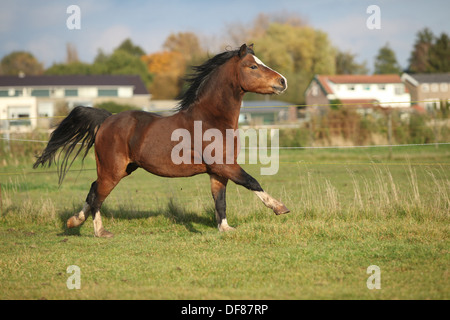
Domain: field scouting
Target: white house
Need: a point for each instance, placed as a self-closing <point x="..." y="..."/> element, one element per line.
<point x="29" y="101"/>
<point x="359" y="91"/>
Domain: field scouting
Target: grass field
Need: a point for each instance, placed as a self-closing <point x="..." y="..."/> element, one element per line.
<point x="350" y="209"/>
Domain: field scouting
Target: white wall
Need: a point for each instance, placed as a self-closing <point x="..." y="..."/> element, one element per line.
<point x="20" y="103"/>
<point x="387" y="97"/>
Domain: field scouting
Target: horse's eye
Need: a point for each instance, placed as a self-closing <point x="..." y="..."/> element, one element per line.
<point x="254" y="67"/>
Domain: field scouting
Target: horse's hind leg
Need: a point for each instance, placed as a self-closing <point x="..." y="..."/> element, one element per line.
<point x="100" y="189"/>
<point x="218" y="190"/>
<point x="79" y="218"/>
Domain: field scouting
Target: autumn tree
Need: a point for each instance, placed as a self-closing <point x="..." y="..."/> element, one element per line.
<point x="419" y="60"/>
<point x="298" y="52"/>
<point x="167" y="68"/>
<point x="20" y="62"/>
<point x="71" y="53"/>
<point x="181" y="50"/>
<point x="185" y="43"/>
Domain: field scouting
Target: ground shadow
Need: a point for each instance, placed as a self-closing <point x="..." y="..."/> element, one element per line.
<point x="171" y="210"/>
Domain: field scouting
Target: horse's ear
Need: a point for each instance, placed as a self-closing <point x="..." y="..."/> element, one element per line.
<point x="243" y="50"/>
<point x="250" y="46"/>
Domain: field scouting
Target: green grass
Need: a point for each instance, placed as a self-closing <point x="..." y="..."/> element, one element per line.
<point x="350" y="209"/>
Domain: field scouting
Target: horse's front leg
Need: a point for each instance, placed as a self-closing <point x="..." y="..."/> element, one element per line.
<point x="236" y="174"/>
<point x="218" y="190"/>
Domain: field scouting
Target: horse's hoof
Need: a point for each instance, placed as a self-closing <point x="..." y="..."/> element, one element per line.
<point x="226" y="228"/>
<point x="104" y="234"/>
<point x="281" y="210"/>
<point x="74" y="222"/>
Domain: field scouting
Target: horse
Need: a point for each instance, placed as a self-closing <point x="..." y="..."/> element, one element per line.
<point x="136" y="139"/>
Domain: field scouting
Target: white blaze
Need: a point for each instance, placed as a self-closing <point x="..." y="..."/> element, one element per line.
<point x="258" y="61"/>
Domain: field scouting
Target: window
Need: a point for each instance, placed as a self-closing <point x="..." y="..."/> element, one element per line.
<point x="40" y="93"/>
<point x="22" y="115"/>
<point x="367" y="87"/>
<point x="71" y="92"/>
<point x="382" y="86"/>
<point x="351" y="87"/>
<point x="444" y="87"/>
<point x="108" y="92"/>
<point x="11" y="93"/>
<point x="425" y="87"/>
<point x="399" y="89"/>
<point x="432" y="105"/>
<point x="434" y="87"/>
<point x="314" y="90"/>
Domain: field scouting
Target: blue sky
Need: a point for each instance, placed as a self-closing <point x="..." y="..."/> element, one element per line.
<point x="40" y="26"/>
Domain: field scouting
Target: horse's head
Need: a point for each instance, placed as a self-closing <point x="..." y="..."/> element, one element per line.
<point x="256" y="77"/>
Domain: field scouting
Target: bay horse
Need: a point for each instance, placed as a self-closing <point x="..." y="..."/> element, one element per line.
<point x="136" y="139"/>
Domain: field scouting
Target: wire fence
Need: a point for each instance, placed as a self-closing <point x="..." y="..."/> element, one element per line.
<point x="374" y="104"/>
<point x="299" y="162"/>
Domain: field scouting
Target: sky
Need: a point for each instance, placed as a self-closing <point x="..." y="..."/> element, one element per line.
<point x="41" y="26"/>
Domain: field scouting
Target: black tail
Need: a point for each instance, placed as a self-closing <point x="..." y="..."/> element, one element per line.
<point x="79" y="127"/>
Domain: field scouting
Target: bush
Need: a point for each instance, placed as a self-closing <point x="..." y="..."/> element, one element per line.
<point x="115" y="107"/>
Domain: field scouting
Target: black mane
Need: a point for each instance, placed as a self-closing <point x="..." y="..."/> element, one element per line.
<point x="201" y="75"/>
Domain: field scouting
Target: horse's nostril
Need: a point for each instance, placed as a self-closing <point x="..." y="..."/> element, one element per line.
<point x="283" y="82"/>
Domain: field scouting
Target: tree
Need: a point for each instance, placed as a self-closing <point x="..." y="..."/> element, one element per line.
<point x="168" y="68"/>
<point x="386" y="62"/>
<point x="124" y="60"/>
<point x="439" y="55"/>
<point x="76" y="67"/>
<point x="298" y="52"/>
<point x="20" y="62"/>
<point x="71" y="53"/>
<point x="128" y="46"/>
<point x="186" y="43"/>
<point x="419" y="60"/>
<point x="346" y="64"/>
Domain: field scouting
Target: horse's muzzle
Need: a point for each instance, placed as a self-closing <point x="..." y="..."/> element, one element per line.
<point x="281" y="85"/>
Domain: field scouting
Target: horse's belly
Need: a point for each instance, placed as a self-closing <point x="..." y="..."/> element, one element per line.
<point x="171" y="170"/>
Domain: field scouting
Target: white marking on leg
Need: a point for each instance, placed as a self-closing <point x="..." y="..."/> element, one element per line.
<point x="82" y="214"/>
<point x="223" y="226"/>
<point x="99" y="231"/>
<point x="267" y="199"/>
<point x="98" y="224"/>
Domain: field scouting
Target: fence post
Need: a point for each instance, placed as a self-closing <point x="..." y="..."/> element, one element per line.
<point x="389" y="123"/>
<point x="1" y="201"/>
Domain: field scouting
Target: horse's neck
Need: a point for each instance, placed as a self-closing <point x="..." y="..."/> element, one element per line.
<point x="220" y="107"/>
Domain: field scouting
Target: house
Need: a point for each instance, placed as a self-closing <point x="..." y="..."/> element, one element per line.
<point x="428" y="89"/>
<point x="33" y="100"/>
<point x="266" y="112"/>
<point x="357" y="91"/>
